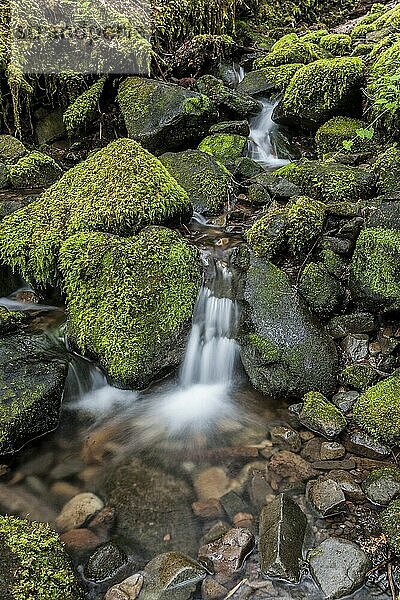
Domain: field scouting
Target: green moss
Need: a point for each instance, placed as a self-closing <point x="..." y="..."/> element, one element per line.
<point x="333" y="263"/>
<point x="382" y="88"/>
<point x="40" y="566"/>
<point x="378" y="18"/>
<point x="390" y="524"/>
<point x="377" y="411"/>
<point x="290" y="50"/>
<point x="333" y="133"/>
<point x="270" y="353"/>
<point x="317" y="409"/>
<point x="80" y="112"/>
<point x="11" y="320"/>
<point x="119" y="189"/>
<point x="322" y="88"/>
<point x="35" y="170"/>
<point x="329" y="182"/>
<point x="362" y="49"/>
<point x="337" y="44"/>
<point x="375" y="265"/>
<point x="386" y="169"/>
<point x="314" y="36"/>
<point x="267" y="236"/>
<point x="383" y="472"/>
<point x="11" y="149"/>
<point x="281" y="76"/>
<point x="128" y="299"/>
<point x="225" y="147"/>
<point x="358" y="376"/>
<point x="306" y="218"/>
<point x="322" y="291"/>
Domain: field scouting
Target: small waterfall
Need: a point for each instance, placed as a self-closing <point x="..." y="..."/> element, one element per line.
<point x="261" y="146"/>
<point x="211" y="350"/>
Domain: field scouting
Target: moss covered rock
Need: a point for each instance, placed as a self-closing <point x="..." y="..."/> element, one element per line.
<point x="283" y="350"/>
<point x="329" y="182"/>
<point x="11" y="320"/>
<point x="290" y="49"/>
<point x="390" y="524"/>
<point x="322" y="291"/>
<point x="359" y="376"/>
<point x="382" y="87"/>
<point x="83" y="110"/>
<point x="31" y="387"/>
<point x="331" y="135"/>
<point x="163" y="116"/>
<point x="11" y="149"/>
<point x="129" y="300"/>
<point x="279" y="78"/>
<point x="235" y="103"/>
<point x="267" y="236"/>
<point x="337" y="44"/>
<point x="377" y="411"/>
<point x="227" y="148"/>
<point x="320" y="90"/>
<point x="306" y="219"/>
<point x="320" y="415"/>
<point x="119" y="189"/>
<point x="386" y="169"/>
<point x="204" y="178"/>
<point x="33" y="563"/>
<point x="34" y="170"/>
<point x="375" y="275"/>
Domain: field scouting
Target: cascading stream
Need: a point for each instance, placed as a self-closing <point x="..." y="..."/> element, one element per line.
<point x="261" y="146"/>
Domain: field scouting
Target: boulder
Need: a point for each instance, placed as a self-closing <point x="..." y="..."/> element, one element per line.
<point x="227" y="100"/>
<point x="339" y="567"/>
<point x="323" y="292"/>
<point x="11" y="149"/>
<point x="33" y="563"/>
<point x="131" y="308"/>
<point x="282" y="530"/>
<point x="34" y="170"/>
<point x="119" y="189"/>
<point x="163" y="116"/>
<point x="331" y="135"/>
<point x="205" y="179"/>
<point x="227" y="148"/>
<point x="284" y="351"/>
<point x="377" y="410"/>
<point x="322" y="416"/>
<point x="153" y="509"/>
<point x="326" y="496"/>
<point x="32" y="382"/>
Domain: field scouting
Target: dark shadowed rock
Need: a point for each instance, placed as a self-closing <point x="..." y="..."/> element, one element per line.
<point x="326" y="496"/>
<point x="105" y="562"/>
<point x="282" y="531"/>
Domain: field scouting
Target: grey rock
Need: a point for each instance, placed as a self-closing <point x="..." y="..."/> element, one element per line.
<point x="362" y="444"/>
<point x="284" y="351"/>
<point x="352" y="490"/>
<point x="235" y="127"/>
<point x="105" y="562"/>
<point x="233" y="504"/>
<point x="382" y="485"/>
<point x="328" y="465"/>
<point x="129" y="589"/>
<point x="225" y="98"/>
<point x="254" y="83"/>
<point x="282" y="530"/>
<point x="385" y="214"/>
<point x="344" y="401"/>
<point x="356" y="346"/>
<point x="326" y="496"/>
<point x="171" y="576"/>
<point x="287" y="437"/>
<point x="332" y="450"/>
<point x="339" y="567"/>
<point x="227" y="554"/>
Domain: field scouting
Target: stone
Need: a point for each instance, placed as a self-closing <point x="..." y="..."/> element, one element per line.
<point x="241" y="105"/>
<point x="339" y="567"/>
<point x="353" y="323"/>
<point x="228" y="552"/>
<point x="327" y="465"/>
<point x="171" y="576"/>
<point x="105" y="562"/>
<point x="215" y="532"/>
<point x="49" y="127"/>
<point x="283" y="350"/>
<point x="282" y="531"/>
<point x="258" y="488"/>
<point x="212" y="590"/>
<point x="322" y="416"/>
<point x="352" y="490"/>
<point x="390" y="523"/>
<point x="233" y="504"/>
<point x="153" y="509"/>
<point x="80" y="542"/>
<point x="208" y="509"/>
<point x="129" y="589"/>
<point x="382" y="485"/>
<point x="356" y="346"/>
<point x="243" y="520"/>
<point x="11" y="149"/>
<point x="311" y="450"/>
<point x="32" y="379"/>
<point x="287" y="437"/>
<point x="332" y="450"/>
<point x="344" y="401"/>
<point x="78" y="510"/>
<point x="326" y="497"/>
<point x="103" y="522"/>
<point x="286" y="464"/>
<point x="211" y="483"/>
<point x="360" y="443"/>
<point x="254" y="83"/>
<point x="234" y="127"/>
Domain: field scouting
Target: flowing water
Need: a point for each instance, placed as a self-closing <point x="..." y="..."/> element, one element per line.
<point x="263" y="146"/>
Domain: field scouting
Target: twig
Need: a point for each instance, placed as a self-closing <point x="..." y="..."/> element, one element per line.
<point x="235" y="589"/>
<point x="391" y="583"/>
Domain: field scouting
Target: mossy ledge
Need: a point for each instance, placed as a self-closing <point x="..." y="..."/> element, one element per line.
<point x="129" y="300"/>
<point x="120" y="189"/>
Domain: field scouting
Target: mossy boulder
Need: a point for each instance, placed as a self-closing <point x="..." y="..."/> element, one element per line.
<point x="255" y="83"/>
<point x="205" y="179"/>
<point x="227" y="148"/>
<point x="11" y="149"/>
<point x="228" y="101"/>
<point x="130" y="300"/>
<point x="290" y="49"/>
<point x="322" y="291"/>
<point x="375" y="274"/>
<point x="284" y="351"/>
<point x="11" y="320"/>
<point x="32" y="381"/>
<point x="49" y="126"/>
<point x="390" y="524"/>
<point x="163" y="116"/>
<point x="337" y="44"/>
<point x="321" y="90"/>
<point x="377" y="410"/>
<point x="34" y="170"/>
<point x="306" y="218"/>
<point x="120" y="189"/>
<point x="278" y="78"/>
<point x="329" y="182"/>
<point x="331" y="135"/>
<point x="386" y="169"/>
<point x="320" y="415"/>
<point x="33" y="563"/>
<point x="359" y="376"/>
<point x="267" y="236"/>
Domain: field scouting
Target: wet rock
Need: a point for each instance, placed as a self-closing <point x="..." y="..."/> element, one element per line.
<point x="163" y="116"/>
<point x="254" y="83"/>
<point x="228" y="552"/>
<point x="171" y="576"/>
<point x="153" y="509"/>
<point x="102" y="523"/>
<point x="216" y="531"/>
<point x="327" y="465"/>
<point x="211" y="483"/>
<point x="32" y="379"/>
<point x="362" y="444"/>
<point x="311" y="450"/>
<point x="382" y="485"/>
<point x="339" y="567"/>
<point x="35" y="170"/>
<point x="129" y="589"/>
<point x="360" y="322"/>
<point x="80" y="542"/>
<point x="212" y="590"/>
<point x="239" y="104"/>
<point x="326" y="496"/>
<point x="234" y="127"/>
<point x="78" y="510"/>
<point x="105" y="562"/>
<point x="243" y="520"/>
<point x="258" y="488"/>
<point x="233" y="504"/>
<point x="286" y="436"/>
<point x="356" y="346"/>
<point x="292" y="466"/>
<point x="322" y="416"/>
<point x="208" y="509"/>
<point x="282" y="531"/>
<point x="332" y="450"/>
<point x="345" y="401"/>
<point x="352" y="490"/>
<point x="284" y="352"/>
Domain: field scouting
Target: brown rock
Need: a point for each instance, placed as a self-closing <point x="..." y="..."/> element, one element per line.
<point x="291" y="466"/>
<point x="208" y="509"/>
<point x="243" y="520"/>
<point x="228" y="553"/>
<point x="77" y="510"/>
<point x="102" y="523"/>
<point x="211" y="483"/>
<point x="333" y="465"/>
<point x="80" y="540"/>
<point x="129" y="589"/>
<point x="311" y="450"/>
<point x="332" y="451"/>
<point x="212" y="590"/>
